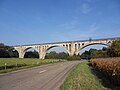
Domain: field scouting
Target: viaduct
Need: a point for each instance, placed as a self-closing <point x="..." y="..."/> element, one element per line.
<point x="72" y="47"/>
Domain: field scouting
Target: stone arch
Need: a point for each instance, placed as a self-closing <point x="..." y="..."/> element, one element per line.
<point x="90" y="45"/>
<point x="24" y="51"/>
<point x="19" y="51"/>
<point x="95" y="44"/>
<point x="48" y="48"/>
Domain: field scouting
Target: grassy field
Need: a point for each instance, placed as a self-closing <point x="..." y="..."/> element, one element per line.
<point x="13" y="64"/>
<point x="81" y="78"/>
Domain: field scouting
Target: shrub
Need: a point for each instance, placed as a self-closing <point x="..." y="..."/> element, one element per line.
<point x="74" y="57"/>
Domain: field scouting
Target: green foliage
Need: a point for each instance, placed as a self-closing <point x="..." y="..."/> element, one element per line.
<point x="114" y="49"/>
<point x="81" y="78"/>
<point x="94" y="53"/>
<point x="54" y="55"/>
<point x="4" y="51"/>
<point x="7" y="51"/>
<point x="74" y="57"/>
<point x="31" y="54"/>
<point x="99" y="54"/>
<point x="86" y="55"/>
<point x="13" y="54"/>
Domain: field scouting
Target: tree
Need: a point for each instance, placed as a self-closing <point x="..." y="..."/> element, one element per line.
<point x="74" y="57"/>
<point x="51" y="55"/>
<point x="94" y="53"/>
<point x="114" y="49"/>
<point x="62" y="55"/>
<point x="54" y="55"/>
<point x="86" y="55"/>
<point x="31" y="54"/>
<point x="89" y="54"/>
<point x="4" y="53"/>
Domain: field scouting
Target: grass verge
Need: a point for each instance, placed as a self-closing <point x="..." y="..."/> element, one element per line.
<point x="81" y="78"/>
<point x="13" y="64"/>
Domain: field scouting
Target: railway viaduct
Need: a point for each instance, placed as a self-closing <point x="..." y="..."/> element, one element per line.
<point x="72" y="47"/>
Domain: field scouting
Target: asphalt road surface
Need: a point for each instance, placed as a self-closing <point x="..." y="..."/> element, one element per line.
<point x="47" y="77"/>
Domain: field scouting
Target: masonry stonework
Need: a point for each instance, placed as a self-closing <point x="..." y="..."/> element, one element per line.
<point x="72" y="47"/>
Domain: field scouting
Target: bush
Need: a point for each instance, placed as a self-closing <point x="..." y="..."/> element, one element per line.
<point x="114" y="49"/>
<point x="74" y="57"/>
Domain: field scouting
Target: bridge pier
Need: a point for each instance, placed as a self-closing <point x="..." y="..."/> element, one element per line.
<point x="42" y="56"/>
<point x="21" y="55"/>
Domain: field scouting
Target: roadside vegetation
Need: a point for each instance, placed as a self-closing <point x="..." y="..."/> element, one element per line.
<point x="81" y="78"/>
<point x="12" y="64"/>
<point x="102" y="72"/>
<point x="87" y="77"/>
<point x="109" y="67"/>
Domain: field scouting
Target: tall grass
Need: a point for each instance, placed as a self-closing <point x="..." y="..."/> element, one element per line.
<point x="110" y="67"/>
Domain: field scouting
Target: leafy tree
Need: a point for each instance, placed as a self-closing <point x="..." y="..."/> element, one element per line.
<point x="4" y="53"/>
<point x="100" y="54"/>
<point x="94" y="53"/>
<point x="54" y="55"/>
<point x="51" y="55"/>
<point x="31" y="54"/>
<point x="89" y="54"/>
<point x="104" y="48"/>
<point x="114" y="49"/>
<point x="74" y="57"/>
<point x="86" y="55"/>
<point x="62" y="55"/>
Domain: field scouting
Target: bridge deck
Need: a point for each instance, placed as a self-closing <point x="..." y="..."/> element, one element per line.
<point x="71" y="41"/>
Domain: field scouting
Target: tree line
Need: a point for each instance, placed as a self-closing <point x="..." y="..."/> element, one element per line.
<point x="112" y="51"/>
<point x="7" y="51"/>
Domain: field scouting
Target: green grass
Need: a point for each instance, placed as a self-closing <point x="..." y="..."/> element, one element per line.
<point x="25" y="63"/>
<point x="81" y="78"/>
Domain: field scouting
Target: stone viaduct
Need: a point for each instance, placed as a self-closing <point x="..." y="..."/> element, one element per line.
<point x="72" y="47"/>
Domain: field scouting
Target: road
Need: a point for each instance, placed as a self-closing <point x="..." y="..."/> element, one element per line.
<point x="47" y="77"/>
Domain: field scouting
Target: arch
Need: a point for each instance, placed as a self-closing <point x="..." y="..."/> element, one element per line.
<point x="56" y="46"/>
<point x="44" y="54"/>
<point x="96" y="50"/>
<point x="29" y="48"/>
<point x="95" y="44"/>
<point x="90" y="45"/>
<point x="30" y="52"/>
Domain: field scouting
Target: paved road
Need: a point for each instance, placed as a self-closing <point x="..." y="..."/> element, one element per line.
<point x="48" y="77"/>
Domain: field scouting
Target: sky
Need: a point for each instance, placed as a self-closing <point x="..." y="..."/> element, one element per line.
<point x="43" y="21"/>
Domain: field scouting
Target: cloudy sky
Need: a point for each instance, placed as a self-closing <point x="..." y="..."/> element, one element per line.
<point x="42" y="21"/>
